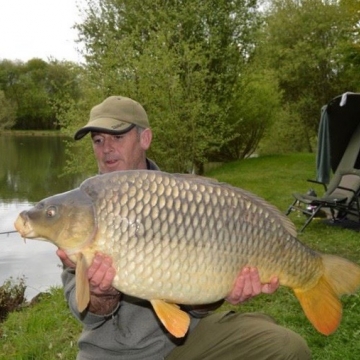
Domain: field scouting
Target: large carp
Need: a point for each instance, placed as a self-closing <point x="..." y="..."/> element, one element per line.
<point x="182" y="239"/>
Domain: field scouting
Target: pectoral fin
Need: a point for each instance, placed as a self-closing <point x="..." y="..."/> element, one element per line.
<point x="175" y="320"/>
<point x="82" y="283"/>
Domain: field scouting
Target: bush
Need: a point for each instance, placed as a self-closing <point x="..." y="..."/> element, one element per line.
<point x="12" y="296"/>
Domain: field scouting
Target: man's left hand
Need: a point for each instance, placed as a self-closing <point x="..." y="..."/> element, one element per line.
<point x="248" y="285"/>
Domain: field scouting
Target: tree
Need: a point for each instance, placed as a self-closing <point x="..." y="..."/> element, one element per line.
<point x="37" y="88"/>
<point x="181" y="59"/>
<point x="34" y="111"/>
<point x="9" y="78"/>
<point x="254" y="110"/>
<point x="7" y="112"/>
<point x="303" y="43"/>
<point x="351" y="49"/>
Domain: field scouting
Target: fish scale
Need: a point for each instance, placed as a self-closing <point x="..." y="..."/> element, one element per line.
<point x="182" y="239"/>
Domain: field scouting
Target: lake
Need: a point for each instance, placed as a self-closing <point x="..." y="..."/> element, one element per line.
<point x="30" y="169"/>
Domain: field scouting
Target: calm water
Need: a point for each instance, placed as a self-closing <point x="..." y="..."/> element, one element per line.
<point x="30" y="169"/>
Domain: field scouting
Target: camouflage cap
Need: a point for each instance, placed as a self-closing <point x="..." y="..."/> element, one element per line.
<point x="115" y="115"/>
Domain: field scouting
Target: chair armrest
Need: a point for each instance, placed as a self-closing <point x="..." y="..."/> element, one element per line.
<point x="318" y="182"/>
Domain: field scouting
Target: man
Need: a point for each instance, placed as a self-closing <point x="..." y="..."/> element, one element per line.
<point x="117" y="326"/>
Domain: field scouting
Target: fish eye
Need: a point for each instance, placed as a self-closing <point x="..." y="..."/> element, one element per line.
<point x="50" y="211"/>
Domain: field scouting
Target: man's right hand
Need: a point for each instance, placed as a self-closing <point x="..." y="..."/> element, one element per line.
<point x="101" y="274"/>
<point x="103" y="296"/>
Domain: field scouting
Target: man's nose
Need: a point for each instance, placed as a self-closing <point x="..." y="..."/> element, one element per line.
<point x="108" y="145"/>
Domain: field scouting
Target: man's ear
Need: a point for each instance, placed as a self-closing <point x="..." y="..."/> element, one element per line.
<point x="145" y="138"/>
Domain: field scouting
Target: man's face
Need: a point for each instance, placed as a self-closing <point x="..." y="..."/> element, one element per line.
<point x="121" y="152"/>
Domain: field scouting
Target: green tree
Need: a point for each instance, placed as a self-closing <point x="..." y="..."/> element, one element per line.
<point x="255" y="109"/>
<point x="34" y="111"/>
<point x="182" y="60"/>
<point x="7" y="112"/>
<point x="351" y="49"/>
<point x="37" y="88"/>
<point x="9" y="78"/>
<point x="303" y="43"/>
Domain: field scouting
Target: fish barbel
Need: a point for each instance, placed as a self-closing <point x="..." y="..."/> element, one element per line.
<point x="182" y="239"/>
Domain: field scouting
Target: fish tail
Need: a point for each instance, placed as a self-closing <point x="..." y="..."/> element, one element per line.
<point x="321" y="303"/>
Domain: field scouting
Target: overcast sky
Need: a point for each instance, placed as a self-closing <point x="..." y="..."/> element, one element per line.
<point x="38" y="28"/>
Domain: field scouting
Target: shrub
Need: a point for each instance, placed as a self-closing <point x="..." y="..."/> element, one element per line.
<point x="12" y="296"/>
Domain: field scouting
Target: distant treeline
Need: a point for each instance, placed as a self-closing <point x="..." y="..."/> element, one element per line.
<point x="31" y="92"/>
<point x="219" y="79"/>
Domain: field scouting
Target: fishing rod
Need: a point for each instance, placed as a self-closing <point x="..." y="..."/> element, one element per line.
<point x="7" y="232"/>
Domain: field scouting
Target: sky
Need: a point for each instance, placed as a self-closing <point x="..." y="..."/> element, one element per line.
<point x="38" y="28"/>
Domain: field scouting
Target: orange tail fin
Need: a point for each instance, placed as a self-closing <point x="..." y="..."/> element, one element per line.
<point x="321" y="303"/>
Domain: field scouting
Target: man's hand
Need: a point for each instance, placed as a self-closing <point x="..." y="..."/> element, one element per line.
<point x="248" y="285"/>
<point x="103" y="296"/>
<point x="101" y="274"/>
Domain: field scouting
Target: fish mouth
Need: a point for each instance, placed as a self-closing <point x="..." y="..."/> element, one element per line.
<point x="23" y="226"/>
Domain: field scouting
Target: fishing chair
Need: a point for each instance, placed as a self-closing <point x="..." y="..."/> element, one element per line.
<point x="341" y="197"/>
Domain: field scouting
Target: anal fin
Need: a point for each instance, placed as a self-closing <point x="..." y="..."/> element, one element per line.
<point x="175" y="320"/>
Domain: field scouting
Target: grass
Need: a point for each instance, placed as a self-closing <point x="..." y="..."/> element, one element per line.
<point x="48" y="331"/>
<point x="43" y="331"/>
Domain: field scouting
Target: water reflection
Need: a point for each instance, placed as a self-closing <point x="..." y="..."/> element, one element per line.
<point x="30" y="169"/>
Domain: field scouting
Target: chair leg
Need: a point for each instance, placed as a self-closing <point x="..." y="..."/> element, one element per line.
<point x="288" y="211"/>
<point x="333" y="214"/>
<point x="357" y="204"/>
<point x="308" y="221"/>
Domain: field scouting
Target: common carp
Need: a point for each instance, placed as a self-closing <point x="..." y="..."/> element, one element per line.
<point x="182" y="239"/>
